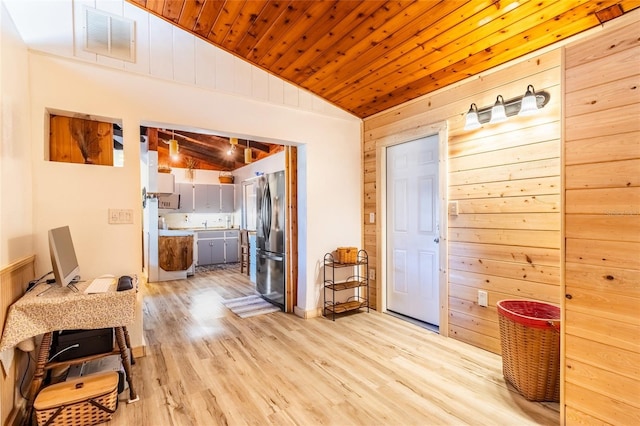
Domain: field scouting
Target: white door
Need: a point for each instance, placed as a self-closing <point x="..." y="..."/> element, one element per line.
<point x="412" y="229"/>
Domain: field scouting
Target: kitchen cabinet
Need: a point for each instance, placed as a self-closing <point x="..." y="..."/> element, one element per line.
<point x="354" y="287"/>
<point x="214" y="198"/>
<point x="207" y="198"/>
<point x="232" y="246"/>
<point x="228" y="198"/>
<point x="210" y="252"/>
<point x="186" y="197"/>
<point x="215" y="247"/>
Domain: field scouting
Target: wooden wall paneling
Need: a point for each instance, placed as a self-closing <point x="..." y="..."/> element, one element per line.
<point x="616" y="386"/>
<point x="599" y="149"/>
<point x="514" y="171"/>
<point x="617" y="254"/>
<point x="456" y="99"/>
<point x="607" y="201"/>
<point x="531" y="187"/>
<point x="618" y="334"/>
<point x="616" y="227"/>
<point x="533" y="204"/>
<point x="623" y="119"/>
<point x="506" y="181"/>
<point x="461" y="144"/>
<point x="524" y="271"/>
<point x="609" y="358"/>
<point x="506" y="220"/>
<point x="461" y="283"/>
<point x="622" y="173"/>
<point x="511" y="237"/>
<point x="525" y="255"/>
<point x="474" y="338"/>
<point x="13" y="283"/>
<point x="519" y="154"/>
<point x="602" y="229"/>
<point x="616" y="66"/>
<point x="613" y="94"/>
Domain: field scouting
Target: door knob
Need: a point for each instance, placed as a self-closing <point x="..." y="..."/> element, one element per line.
<point x="436" y="240"/>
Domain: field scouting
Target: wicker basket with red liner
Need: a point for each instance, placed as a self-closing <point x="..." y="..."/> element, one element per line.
<point x="530" y="340"/>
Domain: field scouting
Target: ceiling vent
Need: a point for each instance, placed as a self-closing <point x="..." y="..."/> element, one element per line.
<point x="109" y="35"/>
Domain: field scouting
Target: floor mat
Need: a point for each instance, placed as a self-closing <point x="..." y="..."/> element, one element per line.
<point x="250" y="306"/>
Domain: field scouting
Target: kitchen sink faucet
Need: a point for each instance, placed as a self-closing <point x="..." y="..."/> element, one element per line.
<point x="205" y="224"/>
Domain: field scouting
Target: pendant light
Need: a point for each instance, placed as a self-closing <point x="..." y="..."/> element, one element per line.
<point x="471" y="120"/>
<point x="529" y="103"/>
<point x="248" y="155"/>
<point x="498" y="113"/>
<point x="174" y="148"/>
<point x="232" y="145"/>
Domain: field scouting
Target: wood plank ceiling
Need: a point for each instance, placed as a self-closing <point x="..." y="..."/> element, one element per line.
<point x="368" y="56"/>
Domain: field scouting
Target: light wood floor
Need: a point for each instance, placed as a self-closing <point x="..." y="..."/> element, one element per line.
<point x="206" y="366"/>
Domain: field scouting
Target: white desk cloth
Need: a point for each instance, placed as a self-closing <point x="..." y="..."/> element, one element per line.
<point x="62" y="309"/>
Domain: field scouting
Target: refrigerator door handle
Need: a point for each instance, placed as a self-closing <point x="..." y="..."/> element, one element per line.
<point x="266" y="213"/>
<point x="271" y="256"/>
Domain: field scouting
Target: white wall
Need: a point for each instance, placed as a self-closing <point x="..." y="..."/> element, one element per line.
<point x="16" y="225"/>
<point x="80" y="195"/>
<point x="208" y="89"/>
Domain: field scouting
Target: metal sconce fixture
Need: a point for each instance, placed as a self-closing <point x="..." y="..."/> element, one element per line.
<point x="528" y="104"/>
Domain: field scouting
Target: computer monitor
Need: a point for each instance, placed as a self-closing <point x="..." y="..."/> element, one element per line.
<point x="63" y="256"/>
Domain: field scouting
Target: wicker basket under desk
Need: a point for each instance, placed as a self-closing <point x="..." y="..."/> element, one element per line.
<point x="83" y="401"/>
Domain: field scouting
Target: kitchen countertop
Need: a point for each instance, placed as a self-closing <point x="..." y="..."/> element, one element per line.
<point x="201" y="229"/>
<point x="175" y="232"/>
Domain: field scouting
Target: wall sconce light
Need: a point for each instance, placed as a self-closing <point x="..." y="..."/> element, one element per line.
<point x="248" y="156"/>
<point x="471" y="121"/>
<point x="498" y="112"/>
<point x="528" y="104"/>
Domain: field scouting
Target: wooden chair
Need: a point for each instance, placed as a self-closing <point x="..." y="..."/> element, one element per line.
<point x="244" y="251"/>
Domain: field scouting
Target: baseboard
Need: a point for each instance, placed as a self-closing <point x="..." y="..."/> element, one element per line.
<point x="18" y="413"/>
<point x="312" y="313"/>
<point x="139" y="352"/>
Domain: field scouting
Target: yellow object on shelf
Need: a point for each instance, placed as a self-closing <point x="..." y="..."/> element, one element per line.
<point x="347" y="254"/>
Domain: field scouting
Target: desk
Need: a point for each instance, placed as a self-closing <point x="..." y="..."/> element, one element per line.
<point x="62" y="309"/>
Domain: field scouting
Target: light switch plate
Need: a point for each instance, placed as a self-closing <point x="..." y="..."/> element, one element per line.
<point x="453" y="208"/>
<point x="372" y="217"/>
<point x="120" y="216"/>
<point x="483" y="299"/>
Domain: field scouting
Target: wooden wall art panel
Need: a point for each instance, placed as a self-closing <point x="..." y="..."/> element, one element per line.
<point x="80" y="140"/>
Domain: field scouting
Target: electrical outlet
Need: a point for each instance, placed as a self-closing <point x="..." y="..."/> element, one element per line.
<point x="372" y="217"/>
<point x="483" y="298"/>
<point x="372" y="274"/>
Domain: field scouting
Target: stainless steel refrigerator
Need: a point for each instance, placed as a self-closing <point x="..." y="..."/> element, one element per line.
<point x="270" y="238"/>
